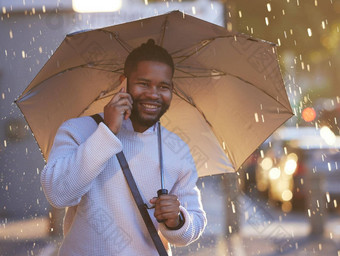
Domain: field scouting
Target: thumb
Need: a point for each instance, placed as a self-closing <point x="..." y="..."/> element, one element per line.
<point x="153" y="200"/>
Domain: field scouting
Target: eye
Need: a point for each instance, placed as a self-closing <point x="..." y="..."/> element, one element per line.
<point x="165" y="87"/>
<point x="143" y="84"/>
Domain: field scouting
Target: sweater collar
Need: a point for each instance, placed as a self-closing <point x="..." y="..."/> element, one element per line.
<point x="127" y="125"/>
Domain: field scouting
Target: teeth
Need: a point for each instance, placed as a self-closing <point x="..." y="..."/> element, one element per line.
<point x="149" y="106"/>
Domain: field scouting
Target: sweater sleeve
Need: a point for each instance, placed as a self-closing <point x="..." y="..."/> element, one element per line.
<point x="191" y="208"/>
<point x="76" y="160"/>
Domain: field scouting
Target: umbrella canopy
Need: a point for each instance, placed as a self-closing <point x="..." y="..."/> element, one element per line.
<point x="229" y="94"/>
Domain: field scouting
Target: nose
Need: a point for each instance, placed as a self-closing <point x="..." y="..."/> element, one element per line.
<point x="153" y="92"/>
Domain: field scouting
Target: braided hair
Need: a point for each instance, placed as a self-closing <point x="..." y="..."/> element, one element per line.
<point x="148" y="51"/>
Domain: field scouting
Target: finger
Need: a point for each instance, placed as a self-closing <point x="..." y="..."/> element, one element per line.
<point x="119" y="95"/>
<point x="127" y="114"/>
<point x="120" y="102"/>
<point x="124" y="110"/>
<point x="167" y="215"/>
<point x="153" y="200"/>
<point x="164" y="199"/>
<point x="167" y="208"/>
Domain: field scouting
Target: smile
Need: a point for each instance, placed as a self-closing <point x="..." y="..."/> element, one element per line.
<point x="149" y="106"/>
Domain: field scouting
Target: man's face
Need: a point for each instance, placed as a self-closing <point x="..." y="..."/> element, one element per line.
<point x="150" y="86"/>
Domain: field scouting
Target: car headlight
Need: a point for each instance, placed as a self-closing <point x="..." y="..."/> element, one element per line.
<point x="274" y="173"/>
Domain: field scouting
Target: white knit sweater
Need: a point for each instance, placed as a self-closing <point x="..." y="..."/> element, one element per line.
<point x="83" y="174"/>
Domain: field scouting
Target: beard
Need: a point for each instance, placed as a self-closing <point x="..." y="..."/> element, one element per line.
<point x="145" y="119"/>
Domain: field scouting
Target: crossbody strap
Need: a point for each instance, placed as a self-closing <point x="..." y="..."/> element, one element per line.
<point x="138" y="198"/>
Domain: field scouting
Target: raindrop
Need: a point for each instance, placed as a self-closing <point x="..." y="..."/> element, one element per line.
<point x="262" y="153"/>
<point x="278" y="42"/>
<point x="256" y="117"/>
<point x="43" y="8"/>
<point x="193" y="9"/>
<point x="230" y="230"/>
<point x="23" y="54"/>
<point x="266" y="20"/>
<point x="233" y="207"/>
<point x="316" y="2"/>
<point x="4" y="10"/>
<point x="323" y="25"/>
<point x="229" y="26"/>
<point x="269" y="7"/>
<point x="335" y="203"/>
<point x="5" y="143"/>
<point x="240" y="14"/>
<point x="10" y="33"/>
<point x="328" y="197"/>
<point x="3" y="96"/>
<point x="309" y="31"/>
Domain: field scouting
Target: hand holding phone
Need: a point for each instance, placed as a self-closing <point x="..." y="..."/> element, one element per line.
<point x="118" y="109"/>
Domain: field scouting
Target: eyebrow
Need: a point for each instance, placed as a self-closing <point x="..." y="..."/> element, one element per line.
<point x="148" y="81"/>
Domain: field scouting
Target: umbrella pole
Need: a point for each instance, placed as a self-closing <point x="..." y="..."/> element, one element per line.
<point x="162" y="191"/>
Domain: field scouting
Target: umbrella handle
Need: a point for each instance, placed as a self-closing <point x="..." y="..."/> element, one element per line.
<point x="159" y="193"/>
<point x="162" y="191"/>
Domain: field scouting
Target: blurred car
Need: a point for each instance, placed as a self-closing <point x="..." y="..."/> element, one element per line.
<point x="295" y="160"/>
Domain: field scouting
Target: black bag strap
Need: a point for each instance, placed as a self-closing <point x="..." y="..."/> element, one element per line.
<point x="138" y="198"/>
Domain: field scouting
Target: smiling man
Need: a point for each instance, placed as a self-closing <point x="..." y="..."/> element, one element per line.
<point x="84" y="176"/>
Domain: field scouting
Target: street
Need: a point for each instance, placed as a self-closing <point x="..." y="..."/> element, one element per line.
<point x="263" y="230"/>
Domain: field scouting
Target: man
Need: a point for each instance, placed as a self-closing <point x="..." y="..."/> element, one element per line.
<point x="84" y="175"/>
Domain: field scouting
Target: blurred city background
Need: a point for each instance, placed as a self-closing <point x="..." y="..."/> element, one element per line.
<point x="284" y="199"/>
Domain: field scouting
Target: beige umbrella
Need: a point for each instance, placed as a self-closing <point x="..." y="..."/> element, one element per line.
<point x="229" y="94"/>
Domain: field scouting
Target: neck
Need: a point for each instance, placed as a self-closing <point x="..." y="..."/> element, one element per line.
<point x="138" y="127"/>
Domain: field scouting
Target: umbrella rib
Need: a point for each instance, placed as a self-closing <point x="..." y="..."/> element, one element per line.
<point x="192" y="103"/>
<point x="163" y="31"/>
<point x="240" y="78"/>
<point x="218" y="73"/>
<point x="189" y="100"/>
<point x="69" y="69"/>
<point x="122" y="43"/>
<point x="208" y="41"/>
